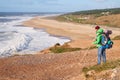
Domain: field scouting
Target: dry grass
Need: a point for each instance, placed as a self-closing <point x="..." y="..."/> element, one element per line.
<point x="108" y="20"/>
<point x="63" y="48"/>
<point x="116" y="37"/>
<point x="103" y="67"/>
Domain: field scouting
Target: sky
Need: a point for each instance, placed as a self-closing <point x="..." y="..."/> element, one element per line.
<point x="55" y="5"/>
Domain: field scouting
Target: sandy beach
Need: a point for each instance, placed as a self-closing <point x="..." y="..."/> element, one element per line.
<point x="81" y="35"/>
<point x="65" y="66"/>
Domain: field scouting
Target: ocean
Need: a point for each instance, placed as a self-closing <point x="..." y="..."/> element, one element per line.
<point x="18" y="39"/>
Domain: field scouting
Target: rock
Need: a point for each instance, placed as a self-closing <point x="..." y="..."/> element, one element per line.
<point x="91" y="73"/>
<point x="115" y="74"/>
<point x="57" y="45"/>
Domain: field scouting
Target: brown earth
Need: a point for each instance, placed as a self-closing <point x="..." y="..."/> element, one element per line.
<point x="65" y="66"/>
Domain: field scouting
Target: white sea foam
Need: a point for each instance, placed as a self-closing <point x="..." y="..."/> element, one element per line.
<point x="17" y="43"/>
<point x="24" y="40"/>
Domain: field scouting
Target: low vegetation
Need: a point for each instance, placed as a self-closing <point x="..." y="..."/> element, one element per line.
<point x="63" y="49"/>
<point x="99" y="68"/>
<point x="66" y="48"/>
<point x="116" y="37"/>
<point x="98" y="11"/>
<point x="70" y="18"/>
<point x="108" y="17"/>
<point x="91" y="47"/>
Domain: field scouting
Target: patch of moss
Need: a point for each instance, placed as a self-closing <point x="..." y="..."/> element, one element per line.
<point x="63" y="49"/>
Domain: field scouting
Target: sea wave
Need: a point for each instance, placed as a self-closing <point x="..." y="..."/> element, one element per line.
<point x="18" y="39"/>
<point x="18" y="43"/>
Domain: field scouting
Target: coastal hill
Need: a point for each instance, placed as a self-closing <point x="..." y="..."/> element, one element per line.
<point x="106" y="17"/>
<point x="68" y="64"/>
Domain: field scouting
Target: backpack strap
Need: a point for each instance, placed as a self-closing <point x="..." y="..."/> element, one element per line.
<point x="104" y="39"/>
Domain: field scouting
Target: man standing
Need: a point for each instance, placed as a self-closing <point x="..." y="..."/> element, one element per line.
<point x="101" y="49"/>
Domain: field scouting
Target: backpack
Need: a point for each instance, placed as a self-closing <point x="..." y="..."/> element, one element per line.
<point x="106" y="41"/>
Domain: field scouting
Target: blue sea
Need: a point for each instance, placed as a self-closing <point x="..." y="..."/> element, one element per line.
<point x="18" y="39"/>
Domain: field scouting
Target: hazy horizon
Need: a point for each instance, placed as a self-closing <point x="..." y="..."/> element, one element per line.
<point x="54" y="12"/>
<point x="56" y="5"/>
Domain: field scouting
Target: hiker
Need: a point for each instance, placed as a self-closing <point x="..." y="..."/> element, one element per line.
<point x="101" y="48"/>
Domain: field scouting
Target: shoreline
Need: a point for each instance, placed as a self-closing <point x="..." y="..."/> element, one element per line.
<point x="80" y="35"/>
<point x="74" y="36"/>
<point x="44" y="30"/>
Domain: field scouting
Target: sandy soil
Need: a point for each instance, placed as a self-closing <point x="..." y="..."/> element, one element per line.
<point x="66" y="66"/>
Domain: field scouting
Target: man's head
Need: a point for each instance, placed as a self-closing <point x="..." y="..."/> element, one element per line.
<point x="97" y="27"/>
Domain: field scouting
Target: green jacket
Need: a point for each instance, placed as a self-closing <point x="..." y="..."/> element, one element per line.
<point x="98" y="38"/>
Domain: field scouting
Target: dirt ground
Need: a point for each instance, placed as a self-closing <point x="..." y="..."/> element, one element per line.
<point x="65" y="66"/>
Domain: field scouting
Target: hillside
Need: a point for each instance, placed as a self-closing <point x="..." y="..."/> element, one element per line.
<point x="106" y="17"/>
<point x="98" y="11"/>
<point x="66" y="66"/>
